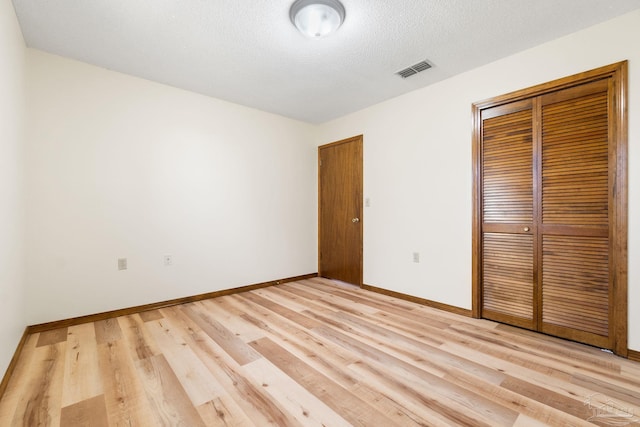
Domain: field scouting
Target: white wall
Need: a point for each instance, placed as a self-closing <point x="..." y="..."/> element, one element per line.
<point x="123" y="167"/>
<point x="417" y="165"/>
<point x="12" y="52"/>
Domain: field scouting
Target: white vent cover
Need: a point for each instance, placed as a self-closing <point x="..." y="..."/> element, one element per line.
<point x="414" y="69"/>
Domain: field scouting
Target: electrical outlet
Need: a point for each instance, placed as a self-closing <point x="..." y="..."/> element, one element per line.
<point x="416" y="257"/>
<point x="168" y="260"/>
<point x="122" y="263"/>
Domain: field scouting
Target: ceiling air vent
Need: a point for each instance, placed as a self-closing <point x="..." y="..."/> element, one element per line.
<point x="414" y="69"/>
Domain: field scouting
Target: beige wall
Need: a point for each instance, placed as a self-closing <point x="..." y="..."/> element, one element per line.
<point x="12" y="321"/>
<point x="417" y="164"/>
<point x="122" y="167"/>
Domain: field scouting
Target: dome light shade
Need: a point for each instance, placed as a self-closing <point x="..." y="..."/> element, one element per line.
<point x="317" y="18"/>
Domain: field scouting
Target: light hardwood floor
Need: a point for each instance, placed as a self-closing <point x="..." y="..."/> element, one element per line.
<point x="313" y="353"/>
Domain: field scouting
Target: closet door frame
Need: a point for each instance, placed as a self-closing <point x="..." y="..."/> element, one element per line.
<point x="617" y="77"/>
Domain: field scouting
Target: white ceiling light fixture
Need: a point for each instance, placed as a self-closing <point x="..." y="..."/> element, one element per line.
<point x="317" y="18"/>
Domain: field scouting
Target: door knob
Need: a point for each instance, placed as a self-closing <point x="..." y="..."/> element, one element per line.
<point x="526" y="229"/>
<point x="355" y="220"/>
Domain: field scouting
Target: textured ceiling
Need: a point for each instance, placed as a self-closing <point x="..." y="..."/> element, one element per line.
<point x="248" y="52"/>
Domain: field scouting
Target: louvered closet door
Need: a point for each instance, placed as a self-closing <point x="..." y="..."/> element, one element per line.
<point x="575" y="213"/>
<point x="508" y="264"/>
<point x="546" y="198"/>
<point x="550" y="208"/>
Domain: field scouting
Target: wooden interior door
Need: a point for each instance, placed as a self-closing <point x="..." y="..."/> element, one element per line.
<point x="340" y="210"/>
<point x="575" y="212"/>
<point x="508" y="220"/>
<point x="550" y="208"/>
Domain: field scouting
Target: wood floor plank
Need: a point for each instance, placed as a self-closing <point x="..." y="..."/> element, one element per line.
<point x="87" y="413"/>
<point x="428" y="333"/>
<point x="137" y="336"/>
<point x="328" y="300"/>
<point x="525" y="421"/>
<point x="284" y="300"/>
<point x="82" y="378"/>
<point x="285" y="312"/>
<point x="383" y="303"/>
<point x="292" y="396"/>
<point x="224" y="411"/>
<point x="124" y="395"/>
<point x="629" y="395"/>
<point x="197" y="381"/>
<point x="168" y="399"/>
<point x="219" y="310"/>
<point x="349" y="406"/>
<point x="630" y="370"/>
<point x="313" y="353"/>
<point x="40" y="402"/>
<point x="238" y="349"/>
<point x="107" y="330"/>
<point x="52" y="337"/>
<point x="417" y="399"/>
<point x="258" y="406"/>
<point x="18" y="381"/>
<point x="575" y="407"/>
<point x="149" y="315"/>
